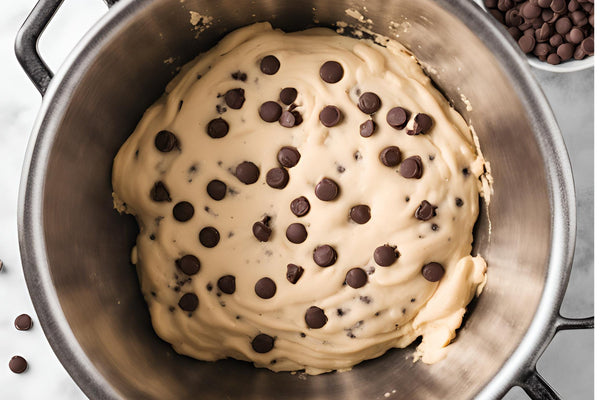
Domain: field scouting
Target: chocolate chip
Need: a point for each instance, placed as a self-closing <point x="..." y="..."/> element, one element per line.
<point x="425" y="211"/>
<point x="183" y="211"/>
<point x="555" y="40"/>
<point x="165" y="141"/>
<point x="315" y="317"/>
<point x="239" y="76"/>
<point x="330" y="116"/>
<point x="235" y="98"/>
<point x="558" y="6"/>
<point x="542" y="50"/>
<point x="588" y="45"/>
<point x="261" y="230"/>
<point x="288" y="95"/>
<point x="579" y="19"/>
<point x="412" y="168"/>
<point x="531" y="10"/>
<point x="421" y="124"/>
<point x="565" y="51"/>
<point x="326" y="190"/>
<point x="226" y="284"/>
<point x="217" y="128"/>
<point x="361" y="214"/>
<point x="296" y="233"/>
<point x="385" y="255"/>
<point x="397" y="117"/>
<point x="188" y="302"/>
<point x="390" y="156"/>
<point x="265" y="288"/>
<point x="553" y="59"/>
<point x="263" y="343"/>
<point x="294" y="272"/>
<point x="277" y="178"/>
<point x="159" y="192"/>
<point x="209" y="237"/>
<point x="288" y="156"/>
<point x="459" y="202"/>
<point x="269" y="65"/>
<point x="300" y="206"/>
<point x="23" y="322"/>
<point x="367" y="128"/>
<point x="188" y="264"/>
<point x="324" y="256"/>
<point x="216" y="189"/>
<point x="17" y="364"/>
<point x="563" y="25"/>
<point x="247" y="172"/>
<point x="298" y="117"/>
<point x="287" y="119"/>
<point x="331" y="72"/>
<point x="576" y="35"/>
<point x="433" y="271"/>
<point x="356" y="278"/>
<point x="369" y="102"/>
<point x="270" y="111"/>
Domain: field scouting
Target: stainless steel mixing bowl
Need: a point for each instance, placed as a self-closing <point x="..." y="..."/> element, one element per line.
<point x="75" y="247"/>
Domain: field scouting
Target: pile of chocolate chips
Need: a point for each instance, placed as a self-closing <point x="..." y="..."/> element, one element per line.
<point x="554" y="31"/>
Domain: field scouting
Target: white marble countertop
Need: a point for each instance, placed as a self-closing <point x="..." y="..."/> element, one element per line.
<point x="567" y="364"/>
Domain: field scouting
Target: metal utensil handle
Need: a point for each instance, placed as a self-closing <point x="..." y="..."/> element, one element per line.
<point x="27" y="41"/>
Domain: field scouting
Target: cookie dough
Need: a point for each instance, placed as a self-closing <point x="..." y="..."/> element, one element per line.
<point x="305" y="201"/>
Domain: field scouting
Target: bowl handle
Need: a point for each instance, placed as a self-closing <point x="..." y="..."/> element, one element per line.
<point x="27" y="40"/>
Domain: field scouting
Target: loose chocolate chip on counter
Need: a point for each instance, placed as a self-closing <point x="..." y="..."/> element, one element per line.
<point x="425" y="211"/>
<point x="17" y="364"/>
<point x="296" y="233"/>
<point x="361" y="214"/>
<point x="397" y="117"/>
<point x="433" y="271"/>
<point x="330" y="116"/>
<point x="288" y="156"/>
<point x="265" y="288"/>
<point x="270" y="111"/>
<point x="369" y="103"/>
<point x="300" y="206"/>
<point x="367" y="128"/>
<point x="277" y="178"/>
<point x="23" y="322"/>
<point x="326" y="190"/>
<point x="188" y="302"/>
<point x="226" y="284"/>
<point x="263" y="343"/>
<point x="315" y="317"/>
<point x="421" y="124"/>
<point x="217" y="128"/>
<point x="331" y="72"/>
<point x="288" y="95"/>
<point x="183" y="211"/>
<point x="216" y="189"/>
<point x="294" y="272"/>
<point x="165" y="141"/>
<point x="247" y="172"/>
<point x="527" y="43"/>
<point x="459" y="202"/>
<point x="390" y="156"/>
<point x="324" y="256"/>
<point x="269" y="65"/>
<point x="209" y="237"/>
<point x="188" y="264"/>
<point x="287" y="119"/>
<point x="356" y="278"/>
<point x="412" y="168"/>
<point x="385" y="255"/>
<point x="261" y="230"/>
<point x="235" y="98"/>
<point x="159" y="192"/>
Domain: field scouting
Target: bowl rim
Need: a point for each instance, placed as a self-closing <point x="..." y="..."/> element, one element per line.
<point x="547" y="134"/>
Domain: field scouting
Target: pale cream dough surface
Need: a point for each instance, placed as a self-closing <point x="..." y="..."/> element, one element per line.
<point x="397" y="304"/>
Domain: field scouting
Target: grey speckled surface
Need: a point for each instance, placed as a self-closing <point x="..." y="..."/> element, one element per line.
<point x="567" y="364"/>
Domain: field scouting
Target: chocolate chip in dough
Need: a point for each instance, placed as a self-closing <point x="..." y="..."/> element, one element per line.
<point x="188" y="264"/>
<point x="188" y="302"/>
<point x="288" y="95"/>
<point x="216" y="189"/>
<point x="270" y="111"/>
<point x="209" y="237"/>
<point x="369" y="103"/>
<point x="421" y="124"/>
<point x="459" y="202"/>
<point x="269" y="65"/>
<point x="239" y="76"/>
<point x="265" y="288"/>
<point x="356" y="278"/>
<point x="235" y="98"/>
<point x="277" y="178"/>
<point x="287" y="119"/>
<point x="315" y="317"/>
<point x="425" y="211"/>
<point x="165" y="141"/>
<point x="331" y="72"/>
<point x="263" y="343"/>
<point x="412" y="168"/>
<point x="300" y="206"/>
<point x="361" y="214"/>
<point x="261" y="230"/>
<point x="226" y="284"/>
<point x="324" y="256"/>
<point x="397" y="117"/>
<point x="298" y="117"/>
<point x="17" y="364"/>
<point x="288" y="156"/>
<point x="247" y="172"/>
<point x="217" y="128"/>
<point x="390" y="156"/>
<point x="385" y="255"/>
<point x="294" y="272"/>
<point x="367" y="128"/>
<point x="159" y="192"/>
<point x="296" y="233"/>
<point x="183" y="211"/>
<point x="326" y="190"/>
<point x="433" y="271"/>
<point x="330" y="116"/>
<point x="23" y="322"/>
